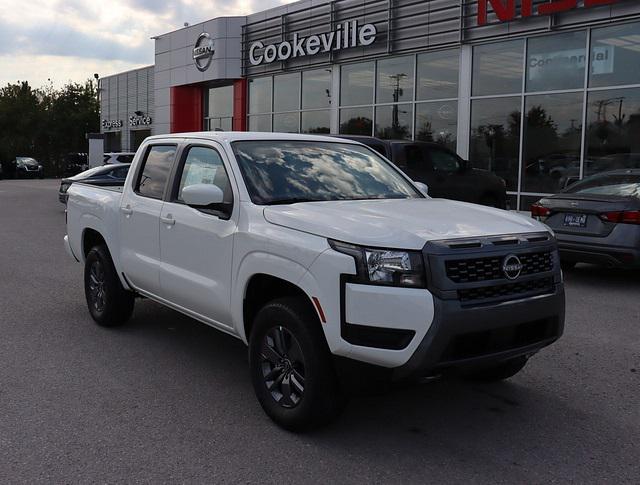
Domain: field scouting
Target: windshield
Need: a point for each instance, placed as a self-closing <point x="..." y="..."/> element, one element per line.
<point x="282" y="171"/>
<point x="26" y="160"/>
<point x="623" y="185"/>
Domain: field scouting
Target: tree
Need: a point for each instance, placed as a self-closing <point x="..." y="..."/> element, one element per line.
<point x="47" y="123"/>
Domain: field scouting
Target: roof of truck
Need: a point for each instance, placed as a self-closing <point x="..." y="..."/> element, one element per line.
<point x="230" y="136"/>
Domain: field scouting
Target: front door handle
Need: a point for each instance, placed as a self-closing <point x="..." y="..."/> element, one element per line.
<point x="127" y="210"/>
<point x="169" y="220"/>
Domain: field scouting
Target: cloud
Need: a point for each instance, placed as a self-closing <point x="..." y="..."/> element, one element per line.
<point x="96" y="34"/>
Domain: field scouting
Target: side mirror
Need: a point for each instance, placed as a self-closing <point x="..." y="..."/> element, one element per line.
<point x="202" y="195"/>
<point x="424" y="188"/>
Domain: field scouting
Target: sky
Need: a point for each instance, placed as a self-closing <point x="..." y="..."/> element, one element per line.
<point x="57" y="41"/>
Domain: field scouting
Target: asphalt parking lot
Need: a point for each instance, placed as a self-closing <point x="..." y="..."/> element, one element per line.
<point x="166" y="399"/>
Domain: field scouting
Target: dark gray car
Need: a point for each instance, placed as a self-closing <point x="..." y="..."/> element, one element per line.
<point x="596" y="220"/>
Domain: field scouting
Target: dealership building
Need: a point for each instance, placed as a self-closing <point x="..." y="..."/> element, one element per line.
<point x="540" y="92"/>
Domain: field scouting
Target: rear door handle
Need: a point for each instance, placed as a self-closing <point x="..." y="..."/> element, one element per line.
<point x="127" y="210"/>
<point x="169" y="220"/>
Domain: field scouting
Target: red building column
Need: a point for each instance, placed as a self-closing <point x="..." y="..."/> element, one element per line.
<point x="240" y="105"/>
<point x="186" y="109"/>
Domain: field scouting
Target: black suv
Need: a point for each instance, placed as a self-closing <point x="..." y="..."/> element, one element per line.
<point x="447" y="175"/>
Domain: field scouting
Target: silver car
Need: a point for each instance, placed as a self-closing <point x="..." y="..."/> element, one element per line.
<point x="596" y="220"/>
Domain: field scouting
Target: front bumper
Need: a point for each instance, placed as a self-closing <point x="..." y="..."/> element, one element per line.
<point x="462" y="337"/>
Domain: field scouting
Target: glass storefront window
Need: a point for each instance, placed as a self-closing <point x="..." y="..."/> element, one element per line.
<point x="495" y="137"/>
<point x="356" y="84"/>
<point x="260" y="95"/>
<point x="395" y="80"/>
<point x="316" y="121"/>
<point x="437" y="122"/>
<point x="286" y="122"/>
<point x="356" y="121"/>
<point x="316" y="88"/>
<point x="394" y="122"/>
<point x="438" y="75"/>
<point x="615" y="55"/>
<point x="556" y="62"/>
<point x="497" y="68"/>
<point x="613" y="130"/>
<point x="552" y="138"/>
<point x="286" y="92"/>
<point x="220" y="102"/>
<point x="260" y="123"/>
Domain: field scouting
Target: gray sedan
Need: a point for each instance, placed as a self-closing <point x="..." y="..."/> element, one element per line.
<point x="596" y="220"/>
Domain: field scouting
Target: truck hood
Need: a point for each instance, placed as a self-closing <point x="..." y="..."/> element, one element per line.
<point x="398" y="223"/>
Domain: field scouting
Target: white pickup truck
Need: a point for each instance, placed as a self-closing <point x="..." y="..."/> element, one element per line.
<point x="321" y="256"/>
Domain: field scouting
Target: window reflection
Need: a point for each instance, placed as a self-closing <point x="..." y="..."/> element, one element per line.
<point x="280" y="171"/>
<point x="613" y="130"/>
<point x="556" y="62"/>
<point x="495" y="137"/>
<point x="356" y="121"/>
<point x="615" y="55"/>
<point x="286" y="122"/>
<point x="497" y="68"/>
<point x="438" y="75"/>
<point x="316" y="88"/>
<point x="395" y="80"/>
<point x="356" y="84"/>
<point x="316" y="122"/>
<point x="286" y="92"/>
<point x="260" y="95"/>
<point x="394" y="122"/>
<point x="552" y="137"/>
<point x="437" y="122"/>
<point x="260" y="123"/>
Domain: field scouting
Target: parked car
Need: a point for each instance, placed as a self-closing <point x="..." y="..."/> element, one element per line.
<point x="596" y="220"/>
<point x="75" y="163"/>
<point x="27" y="167"/>
<point x="107" y="175"/>
<point x="320" y="255"/>
<point x="442" y="170"/>
<point x="119" y="157"/>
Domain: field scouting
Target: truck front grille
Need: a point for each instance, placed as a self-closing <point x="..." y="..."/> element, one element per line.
<point x="537" y="286"/>
<point x="487" y="269"/>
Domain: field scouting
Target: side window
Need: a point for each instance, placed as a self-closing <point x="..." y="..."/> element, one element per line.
<point x="155" y="171"/>
<point x="120" y="173"/>
<point x="204" y="166"/>
<point x="417" y="166"/>
<point x="444" y="161"/>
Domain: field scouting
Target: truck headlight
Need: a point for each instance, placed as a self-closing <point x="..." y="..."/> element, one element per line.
<point x="391" y="267"/>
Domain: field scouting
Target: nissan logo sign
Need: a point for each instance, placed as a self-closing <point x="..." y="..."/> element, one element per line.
<point x="203" y="52"/>
<point x="512" y="267"/>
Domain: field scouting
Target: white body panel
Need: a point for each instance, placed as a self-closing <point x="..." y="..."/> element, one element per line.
<point x="201" y="264"/>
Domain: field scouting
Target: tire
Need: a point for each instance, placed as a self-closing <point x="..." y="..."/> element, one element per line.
<point x="108" y="302"/>
<point x="291" y="367"/>
<point x="499" y="372"/>
<point x="567" y="265"/>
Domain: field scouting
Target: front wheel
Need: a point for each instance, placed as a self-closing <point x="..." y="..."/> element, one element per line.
<point x="499" y="372"/>
<point x="108" y="302"/>
<point x="291" y="368"/>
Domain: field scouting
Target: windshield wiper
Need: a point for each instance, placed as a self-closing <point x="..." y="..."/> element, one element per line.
<point x="292" y="200"/>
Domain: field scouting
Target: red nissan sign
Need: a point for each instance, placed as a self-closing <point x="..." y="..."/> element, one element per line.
<point x="505" y="10"/>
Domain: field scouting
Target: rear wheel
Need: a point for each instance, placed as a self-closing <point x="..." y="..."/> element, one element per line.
<point x="108" y="302"/>
<point x="291" y="368"/>
<point x="499" y="372"/>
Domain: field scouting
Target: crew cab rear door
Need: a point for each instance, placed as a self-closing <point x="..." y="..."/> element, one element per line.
<point x="196" y="244"/>
<point x="140" y="209"/>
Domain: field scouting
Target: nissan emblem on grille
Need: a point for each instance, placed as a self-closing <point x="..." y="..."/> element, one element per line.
<point x="512" y="266"/>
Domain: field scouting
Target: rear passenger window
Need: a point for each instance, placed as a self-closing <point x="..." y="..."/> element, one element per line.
<point x="155" y="171"/>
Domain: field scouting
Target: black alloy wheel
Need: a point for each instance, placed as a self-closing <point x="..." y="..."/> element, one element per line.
<point x="283" y="367"/>
<point x="97" y="288"/>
